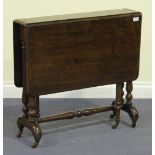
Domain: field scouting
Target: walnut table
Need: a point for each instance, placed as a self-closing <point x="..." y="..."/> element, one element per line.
<point x="69" y="52"/>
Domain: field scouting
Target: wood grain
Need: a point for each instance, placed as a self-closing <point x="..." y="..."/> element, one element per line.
<point x="75" y="54"/>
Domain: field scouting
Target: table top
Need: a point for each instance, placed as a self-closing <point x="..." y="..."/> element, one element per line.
<point x="28" y="21"/>
<point x="80" y="52"/>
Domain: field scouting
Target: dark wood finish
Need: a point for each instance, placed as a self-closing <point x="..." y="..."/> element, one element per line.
<point x="114" y="102"/>
<point x="81" y="56"/>
<point x="33" y="118"/>
<point x="18" y="49"/>
<point x="128" y="107"/>
<point x="117" y="104"/>
<point x="33" y="107"/>
<point x="62" y="53"/>
<point x="32" y="126"/>
<point x="122" y="92"/>
<point x="25" y="108"/>
<point x="31" y="122"/>
<point x="129" y="88"/>
<point x="71" y="115"/>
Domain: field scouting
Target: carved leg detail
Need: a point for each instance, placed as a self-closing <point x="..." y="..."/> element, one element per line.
<point x="114" y="102"/>
<point x="25" y="112"/>
<point x="36" y="132"/>
<point x="133" y="113"/>
<point x="30" y="118"/>
<point x="131" y="110"/>
<point x="33" y="113"/>
<point x="117" y="105"/>
<point x="33" y="127"/>
<point x="25" y="108"/>
<point x="127" y="107"/>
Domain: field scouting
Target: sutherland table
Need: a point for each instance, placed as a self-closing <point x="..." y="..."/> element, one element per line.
<point x="69" y="52"/>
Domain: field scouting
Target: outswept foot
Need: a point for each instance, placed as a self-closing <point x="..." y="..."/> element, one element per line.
<point x="132" y="112"/>
<point x="34" y="128"/>
<point x="35" y="144"/>
<point x="115" y="125"/>
<point x="20" y="130"/>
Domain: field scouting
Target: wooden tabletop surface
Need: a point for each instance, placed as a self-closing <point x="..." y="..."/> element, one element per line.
<point x="27" y="21"/>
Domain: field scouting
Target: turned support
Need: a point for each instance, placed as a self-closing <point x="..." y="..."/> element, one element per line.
<point x="129" y="88"/>
<point x="128" y="107"/>
<point x="25" y="110"/>
<point x="34" y="115"/>
<point x="117" y="106"/>
<point x="33" y="105"/>
<point x="71" y="115"/>
<point x="114" y="102"/>
<point x="122" y="92"/>
<point x="30" y="117"/>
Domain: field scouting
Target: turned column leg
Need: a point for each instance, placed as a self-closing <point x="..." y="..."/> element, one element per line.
<point x="117" y="105"/>
<point x="129" y="88"/>
<point x="25" y="110"/>
<point x="33" y="113"/>
<point x="114" y="102"/>
<point x="30" y="118"/>
<point x="128" y="107"/>
<point x="33" y="105"/>
<point x="122" y="92"/>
